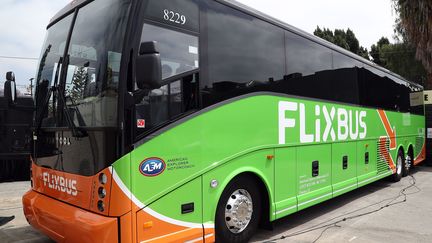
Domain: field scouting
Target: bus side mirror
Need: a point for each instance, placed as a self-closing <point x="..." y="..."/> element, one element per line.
<point x="10" y="88"/>
<point x="148" y="66"/>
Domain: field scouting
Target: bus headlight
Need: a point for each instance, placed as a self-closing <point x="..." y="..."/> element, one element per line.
<point x="101" y="206"/>
<point x="102" y="192"/>
<point x="103" y="179"/>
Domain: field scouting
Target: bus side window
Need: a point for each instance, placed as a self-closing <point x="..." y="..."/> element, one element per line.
<point x="179" y="53"/>
<point x="183" y="96"/>
<point x="167" y="103"/>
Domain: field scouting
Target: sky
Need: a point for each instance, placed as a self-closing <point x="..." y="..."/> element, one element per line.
<point x="23" y="24"/>
<point x="369" y="19"/>
<point x="22" y="27"/>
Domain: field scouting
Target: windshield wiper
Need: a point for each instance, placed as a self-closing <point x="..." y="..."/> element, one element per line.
<point x="77" y="132"/>
<point x="55" y="90"/>
<point x="45" y="104"/>
<point x="80" y="118"/>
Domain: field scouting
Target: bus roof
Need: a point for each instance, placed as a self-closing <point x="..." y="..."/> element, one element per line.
<point x="70" y="7"/>
<point x="251" y="11"/>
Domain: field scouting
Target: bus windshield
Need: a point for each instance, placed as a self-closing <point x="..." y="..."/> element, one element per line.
<point x="83" y="66"/>
<point x="90" y="83"/>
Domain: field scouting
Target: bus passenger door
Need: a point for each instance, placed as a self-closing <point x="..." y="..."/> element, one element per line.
<point x="313" y="174"/>
<point x="344" y="167"/>
<point x="285" y="182"/>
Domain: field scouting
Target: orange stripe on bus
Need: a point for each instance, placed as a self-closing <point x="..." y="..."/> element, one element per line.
<point x="161" y="231"/>
<point x="386" y="154"/>
<point x="421" y="156"/>
<point x="389" y="130"/>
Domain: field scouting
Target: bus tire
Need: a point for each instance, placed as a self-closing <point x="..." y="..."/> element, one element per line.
<point x="239" y="211"/>
<point x="408" y="164"/>
<point x="400" y="161"/>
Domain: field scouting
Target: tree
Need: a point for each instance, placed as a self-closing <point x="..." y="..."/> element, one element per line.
<point x="398" y="58"/>
<point x="376" y="49"/>
<point x="344" y="39"/>
<point x="352" y="41"/>
<point x="363" y="52"/>
<point x="79" y="80"/>
<point x="415" y="24"/>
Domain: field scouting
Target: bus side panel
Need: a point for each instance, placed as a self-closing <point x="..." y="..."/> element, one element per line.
<point x="366" y="161"/>
<point x="344" y="167"/>
<point x="184" y="204"/>
<point x="121" y="204"/>
<point x="255" y="163"/>
<point x="285" y="181"/>
<point x="314" y="174"/>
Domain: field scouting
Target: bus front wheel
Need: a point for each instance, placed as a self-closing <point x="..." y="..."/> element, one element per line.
<point x="239" y="211"/>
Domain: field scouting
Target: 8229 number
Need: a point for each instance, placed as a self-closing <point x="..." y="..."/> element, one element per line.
<point x="174" y="17"/>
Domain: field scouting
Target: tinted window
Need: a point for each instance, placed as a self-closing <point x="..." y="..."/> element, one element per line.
<point x="306" y="57"/>
<point x="180" y="13"/>
<point x="160" y="106"/>
<point x="153" y="108"/>
<point x="311" y="74"/>
<point x="343" y="61"/>
<point x="243" y="53"/>
<point x="381" y="90"/>
<point x="52" y="52"/>
<point x="94" y="67"/>
<point x="179" y="51"/>
<point x="176" y="98"/>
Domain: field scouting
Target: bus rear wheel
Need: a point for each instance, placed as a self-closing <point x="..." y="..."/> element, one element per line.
<point x="407" y="165"/>
<point x="239" y="211"/>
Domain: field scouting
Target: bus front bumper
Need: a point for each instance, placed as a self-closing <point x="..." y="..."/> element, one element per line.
<point x="66" y="223"/>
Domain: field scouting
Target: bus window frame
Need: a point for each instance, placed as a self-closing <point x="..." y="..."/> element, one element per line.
<point x="134" y="35"/>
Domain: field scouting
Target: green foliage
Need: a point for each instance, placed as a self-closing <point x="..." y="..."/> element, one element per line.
<point x="79" y="81"/>
<point x="398" y="58"/>
<point x="415" y="26"/>
<point x="363" y="52"/>
<point x="352" y="41"/>
<point x="345" y="39"/>
<point x="375" y="51"/>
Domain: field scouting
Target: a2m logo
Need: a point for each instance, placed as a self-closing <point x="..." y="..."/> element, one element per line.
<point x="152" y="167"/>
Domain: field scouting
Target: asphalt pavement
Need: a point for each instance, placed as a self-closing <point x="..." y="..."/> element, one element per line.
<point x="380" y="212"/>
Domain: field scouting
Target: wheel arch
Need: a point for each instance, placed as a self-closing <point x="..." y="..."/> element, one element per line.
<point x="400" y="148"/>
<point x="264" y="186"/>
<point x="410" y="147"/>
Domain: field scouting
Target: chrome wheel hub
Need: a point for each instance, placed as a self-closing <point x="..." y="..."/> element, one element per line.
<point x="408" y="162"/>
<point x="399" y="165"/>
<point x="238" y="211"/>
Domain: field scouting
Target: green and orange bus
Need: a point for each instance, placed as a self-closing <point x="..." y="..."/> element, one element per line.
<point x="199" y="121"/>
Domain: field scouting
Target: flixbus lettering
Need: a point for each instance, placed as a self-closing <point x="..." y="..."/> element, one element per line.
<point x="60" y="184"/>
<point x="292" y="116"/>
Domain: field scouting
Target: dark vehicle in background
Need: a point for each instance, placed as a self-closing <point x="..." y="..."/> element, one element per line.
<point x="16" y="119"/>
